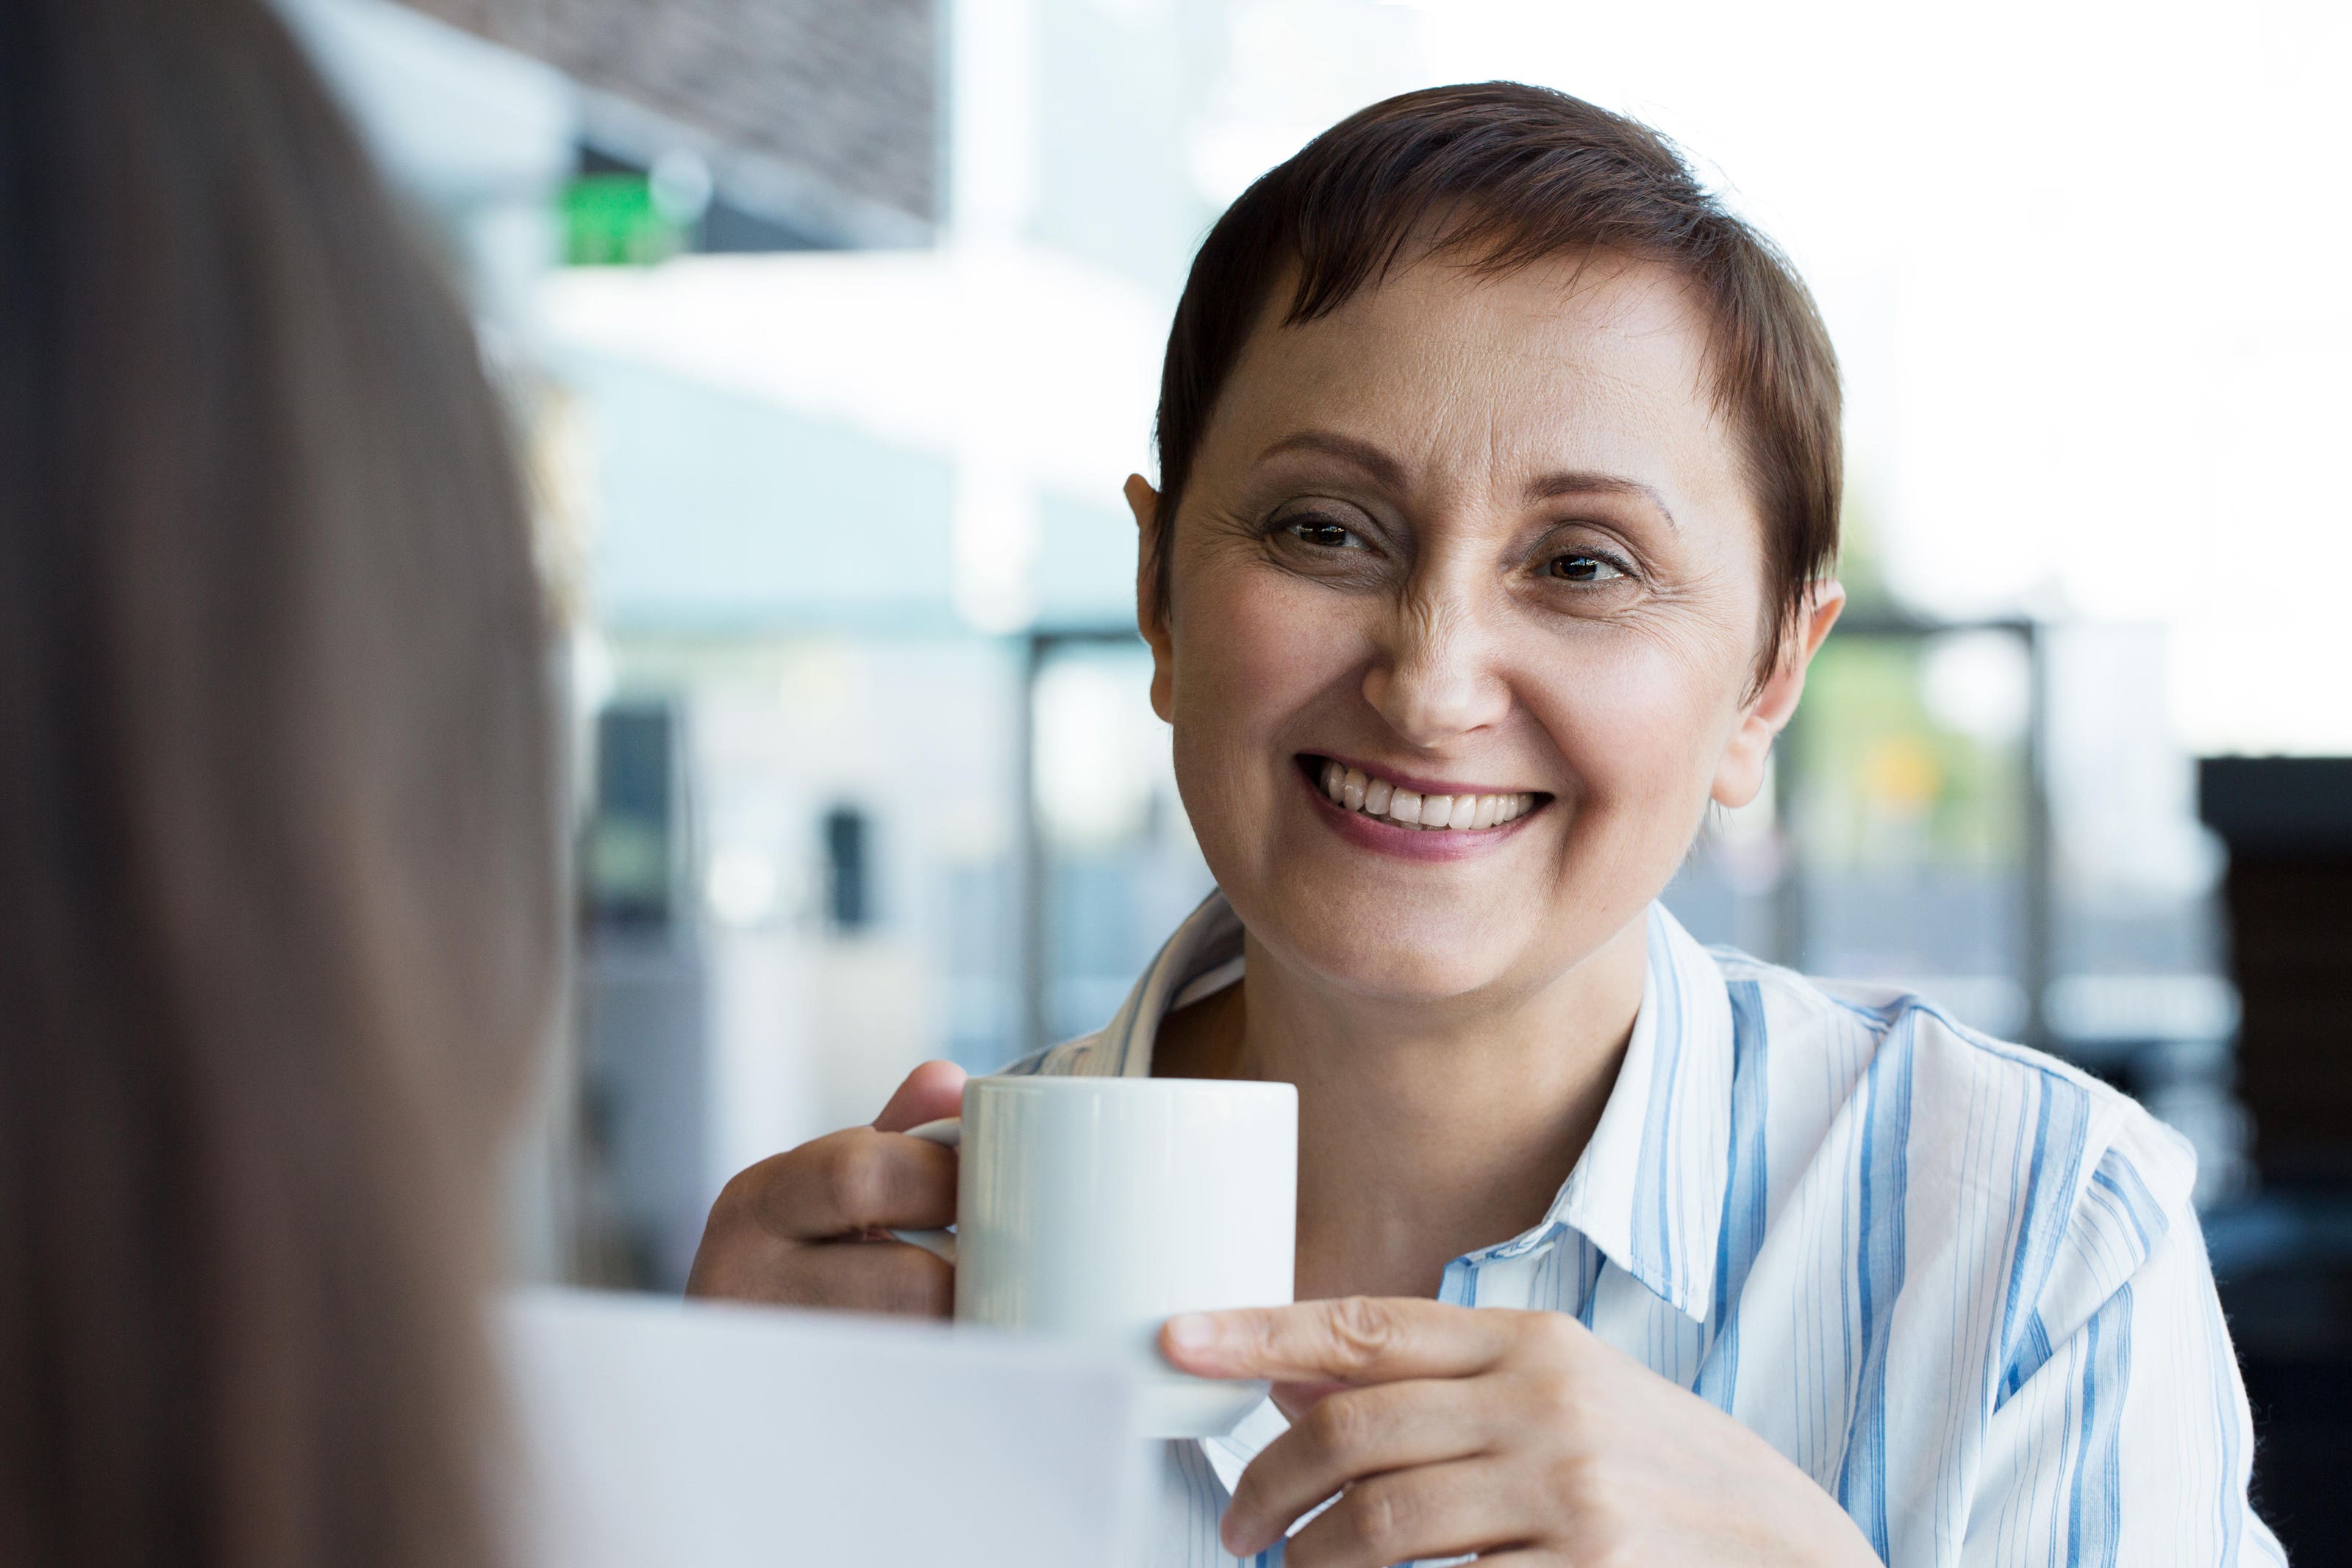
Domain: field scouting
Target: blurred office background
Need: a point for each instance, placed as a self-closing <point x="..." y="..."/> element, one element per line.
<point x="835" y="326"/>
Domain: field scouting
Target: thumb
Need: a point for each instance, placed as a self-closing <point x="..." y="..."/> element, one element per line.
<point x="932" y="1090"/>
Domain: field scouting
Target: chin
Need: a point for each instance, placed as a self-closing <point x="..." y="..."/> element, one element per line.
<point x="1364" y="945"/>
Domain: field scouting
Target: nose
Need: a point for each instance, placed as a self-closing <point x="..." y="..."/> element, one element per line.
<point x="1435" y="678"/>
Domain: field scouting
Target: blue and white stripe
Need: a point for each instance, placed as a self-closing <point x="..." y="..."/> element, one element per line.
<point x="1955" y="1282"/>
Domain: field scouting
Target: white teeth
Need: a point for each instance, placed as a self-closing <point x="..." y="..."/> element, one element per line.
<point x="1353" y="789"/>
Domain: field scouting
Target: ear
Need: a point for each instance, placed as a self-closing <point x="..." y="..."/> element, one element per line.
<point x="1150" y="614"/>
<point x="1740" y="774"/>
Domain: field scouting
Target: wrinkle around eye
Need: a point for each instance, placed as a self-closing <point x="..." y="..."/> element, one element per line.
<point x="1294" y="524"/>
<point x="1362" y="560"/>
<point x="1626" y="594"/>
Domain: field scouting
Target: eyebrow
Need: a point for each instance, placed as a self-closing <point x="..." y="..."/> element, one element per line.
<point x="1387" y="470"/>
<point x="1378" y="464"/>
<point x="1583" y="483"/>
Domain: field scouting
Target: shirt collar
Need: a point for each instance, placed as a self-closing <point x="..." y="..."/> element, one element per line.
<point x="1202" y="954"/>
<point x="1648" y="1191"/>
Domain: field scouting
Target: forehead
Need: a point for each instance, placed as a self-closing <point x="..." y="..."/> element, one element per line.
<point x="1592" y="362"/>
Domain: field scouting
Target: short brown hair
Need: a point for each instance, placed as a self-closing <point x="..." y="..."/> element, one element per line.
<point x="1506" y="175"/>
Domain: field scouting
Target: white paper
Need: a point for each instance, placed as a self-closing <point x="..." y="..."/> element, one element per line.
<point x="666" y="1433"/>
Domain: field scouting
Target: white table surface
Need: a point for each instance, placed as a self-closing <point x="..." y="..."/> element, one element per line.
<point x="660" y="1432"/>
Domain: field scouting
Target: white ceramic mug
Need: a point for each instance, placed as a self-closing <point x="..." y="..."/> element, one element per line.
<point x="1092" y="1210"/>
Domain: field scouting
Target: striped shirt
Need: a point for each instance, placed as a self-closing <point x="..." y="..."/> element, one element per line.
<point x="1958" y="1283"/>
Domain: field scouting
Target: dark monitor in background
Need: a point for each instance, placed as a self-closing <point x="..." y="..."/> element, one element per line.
<point x="629" y="867"/>
<point x="2283" y="1259"/>
<point x="848" y="868"/>
<point x="2287" y="821"/>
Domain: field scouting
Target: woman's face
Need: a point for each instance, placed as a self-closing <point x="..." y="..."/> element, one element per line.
<point x="1481" y="539"/>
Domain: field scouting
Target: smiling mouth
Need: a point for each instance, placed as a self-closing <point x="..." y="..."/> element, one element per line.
<point x="1353" y="789"/>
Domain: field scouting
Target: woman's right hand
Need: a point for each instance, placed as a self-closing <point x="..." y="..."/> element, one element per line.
<point x="805" y="1228"/>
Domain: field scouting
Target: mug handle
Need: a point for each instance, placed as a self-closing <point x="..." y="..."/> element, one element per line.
<point x="948" y="1133"/>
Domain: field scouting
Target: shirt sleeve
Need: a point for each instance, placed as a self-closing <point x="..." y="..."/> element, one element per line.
<point x="2120" y="1433"/>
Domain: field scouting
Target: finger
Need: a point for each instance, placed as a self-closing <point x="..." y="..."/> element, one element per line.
<point x="738" y="1262"/>
<point x="1296" y="1399"/>
<point x="838" y="1276"/>
<point x="845" y="1182"/>
<point x="1347" y="1437"/>
<point x="873" y="1276"/>
<point x="1357" y="1339"/>
<point x="1438" y="1510"/>
<point x="932" y="1090"/>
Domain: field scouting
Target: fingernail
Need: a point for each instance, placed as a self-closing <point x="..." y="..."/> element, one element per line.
<point x="1192" y="1332"/>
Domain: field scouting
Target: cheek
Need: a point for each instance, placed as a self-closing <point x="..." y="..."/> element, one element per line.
<point x="1642" y="722"/>
<point x="1252" y="649"/>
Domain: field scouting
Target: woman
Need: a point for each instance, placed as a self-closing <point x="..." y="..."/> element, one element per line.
<point x="278" y="893"/>
<point x="1498" y="507"/>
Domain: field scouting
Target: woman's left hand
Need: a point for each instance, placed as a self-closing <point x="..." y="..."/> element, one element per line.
<point x="1517" y="1435"/>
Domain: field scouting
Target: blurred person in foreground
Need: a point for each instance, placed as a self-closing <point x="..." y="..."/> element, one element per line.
<point x="279" y="913"/>
<point x="1496" y="525"/>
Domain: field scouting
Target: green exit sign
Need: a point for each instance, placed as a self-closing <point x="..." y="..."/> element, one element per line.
<point x="612" y="220"/>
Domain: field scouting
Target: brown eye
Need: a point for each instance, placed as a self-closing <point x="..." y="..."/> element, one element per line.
<point x="1581" y="568"/>
<point x="1319" y="531"/>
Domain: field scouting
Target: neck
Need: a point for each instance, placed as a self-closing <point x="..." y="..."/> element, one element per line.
<point x="1426" y="1130"/>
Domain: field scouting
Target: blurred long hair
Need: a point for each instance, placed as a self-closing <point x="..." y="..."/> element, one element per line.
<point x="277" y="879"/>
